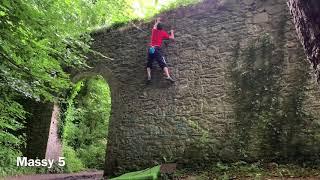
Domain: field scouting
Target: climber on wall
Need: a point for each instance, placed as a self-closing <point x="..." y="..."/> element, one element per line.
<point x="154" y="50"/>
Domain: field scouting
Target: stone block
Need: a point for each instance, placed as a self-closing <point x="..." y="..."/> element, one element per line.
<point x="260" y="18"/>
<point x="248" y="2"/>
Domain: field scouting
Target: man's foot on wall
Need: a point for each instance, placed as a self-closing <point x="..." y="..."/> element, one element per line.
<point x="148" y="81"/>
<point x="170" y="79"/>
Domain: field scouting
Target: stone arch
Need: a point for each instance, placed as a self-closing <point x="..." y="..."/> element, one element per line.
<point x="188" y="122"/>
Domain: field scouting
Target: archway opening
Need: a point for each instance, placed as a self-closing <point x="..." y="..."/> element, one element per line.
<point x="85" y="124"/>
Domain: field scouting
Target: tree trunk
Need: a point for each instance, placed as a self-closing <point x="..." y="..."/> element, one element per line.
<point x="306" y="16"/>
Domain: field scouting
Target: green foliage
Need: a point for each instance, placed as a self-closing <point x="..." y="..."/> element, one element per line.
<point x="93" y="156"/>
<point x="144" y="9"/>
<point x="39" y="40"/>
<point x="73" y="163"/>
<point x="86" y="122"/>
<point x="70" y="111"/>
<point x="11" y="120"/>
<point x="178" y="3"/>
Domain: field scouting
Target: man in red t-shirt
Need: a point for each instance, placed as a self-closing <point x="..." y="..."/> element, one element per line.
<point x="154" y="51"/>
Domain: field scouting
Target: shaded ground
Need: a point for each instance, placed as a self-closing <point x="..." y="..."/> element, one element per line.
<point x="72" y="176"/>
<point x="218" y="171"/>
<point x="99" y="175"/>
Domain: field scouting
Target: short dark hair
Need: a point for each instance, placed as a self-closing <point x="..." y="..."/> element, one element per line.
<point x="160" y="26"/>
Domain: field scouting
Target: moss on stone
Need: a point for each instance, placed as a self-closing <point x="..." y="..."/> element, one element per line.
<point x="270" y="123"/>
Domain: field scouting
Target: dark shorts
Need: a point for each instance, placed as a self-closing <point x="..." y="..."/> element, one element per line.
<point x="156" y="56"/>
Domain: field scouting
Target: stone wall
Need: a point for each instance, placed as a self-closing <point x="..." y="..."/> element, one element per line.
<point x="38" y="127"/>
<point x="242" y="90"/>
<point x="42" y="130"/>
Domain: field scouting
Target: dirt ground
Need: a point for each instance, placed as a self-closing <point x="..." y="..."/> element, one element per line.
<point x="97" y="175"/>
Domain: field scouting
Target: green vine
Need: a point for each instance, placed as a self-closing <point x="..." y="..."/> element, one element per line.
<point x="255" y="92"/>
<point x="271" y="124"/>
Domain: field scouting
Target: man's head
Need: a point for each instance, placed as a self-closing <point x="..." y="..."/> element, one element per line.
<point x="160" y="26"/>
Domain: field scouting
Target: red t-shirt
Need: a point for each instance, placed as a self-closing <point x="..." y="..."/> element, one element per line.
<point x="157" y="37"/>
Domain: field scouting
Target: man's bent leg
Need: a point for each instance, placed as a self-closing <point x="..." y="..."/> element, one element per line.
<point x="163" y="64"/>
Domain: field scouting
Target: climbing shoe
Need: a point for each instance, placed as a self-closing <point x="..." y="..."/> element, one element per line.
<point x="148" y="81"/>
<point x="169" y="79"/>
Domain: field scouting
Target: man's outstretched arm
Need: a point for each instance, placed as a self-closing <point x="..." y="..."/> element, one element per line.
<point x="156" y="23"/>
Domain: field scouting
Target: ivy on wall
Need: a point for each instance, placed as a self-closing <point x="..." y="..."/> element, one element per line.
<point x="270" y="123"/>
